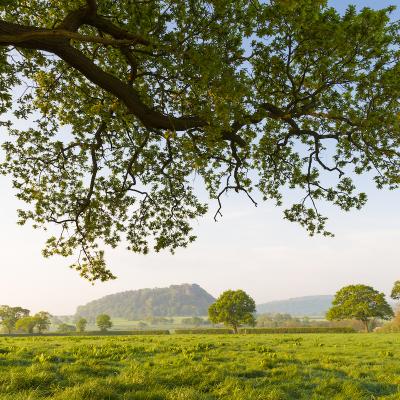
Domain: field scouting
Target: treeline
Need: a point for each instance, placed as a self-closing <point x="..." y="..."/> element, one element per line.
<point x="103" y="322"/>
<point x="283" y="320"/>
<point x="163" y="321"/>
<point x="304" y="329"/>
<point x="235" y="309"/>
<point x="19" y="319"/>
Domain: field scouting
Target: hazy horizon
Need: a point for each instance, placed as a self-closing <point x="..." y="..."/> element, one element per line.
<point x="249" y="248"/>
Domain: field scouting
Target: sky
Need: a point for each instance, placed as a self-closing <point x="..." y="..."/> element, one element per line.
<point x="250" y="248"/>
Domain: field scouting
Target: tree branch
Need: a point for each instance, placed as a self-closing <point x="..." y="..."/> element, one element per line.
<point x="66" y="34"/>
<point x="116" y="32"/>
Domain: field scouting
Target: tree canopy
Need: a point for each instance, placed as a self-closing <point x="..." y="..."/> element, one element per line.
<point x="81" y="325"/>
<point x="103" y="321"/>
<point x="10" y="315"/>
<point x="42" y="321"/>
<point x="127" y="102"/>
<point x="66" y="328"/>
<point x="233" y="308"/>
<point x="395" y="294"/>
<point x="26" y="324"/>
<point x="360" y="302"/>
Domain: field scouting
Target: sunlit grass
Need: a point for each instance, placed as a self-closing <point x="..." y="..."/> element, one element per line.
<point x="312" y="366"/>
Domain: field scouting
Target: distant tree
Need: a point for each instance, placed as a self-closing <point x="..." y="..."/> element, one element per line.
<point x="103" y="321"/>
<point x="42" y="321"/>
<point x="26" y="324"/>
<point x="10" y="315"/>
<point x="269" y="320"/>
<point x="395" y="295"/>
<point x="81" y="325"/>
<point x="66" y="328"/>
<point x="360" y="302"/>
<point x="233" y="308"/>
<point x="265" y="321"/>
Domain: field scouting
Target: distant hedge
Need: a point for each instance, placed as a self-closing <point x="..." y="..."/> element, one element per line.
<point x="134" y="332"/>
<point x="150" y="332"/>
<point x="304" y="329"/>
<point x="94" y="333"/>
<point x="209" y="331"/>
<point x="100" y="333"/>
<point x="204" y="331"/>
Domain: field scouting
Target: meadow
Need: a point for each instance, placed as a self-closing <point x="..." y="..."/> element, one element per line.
<point x="201" y="367"/>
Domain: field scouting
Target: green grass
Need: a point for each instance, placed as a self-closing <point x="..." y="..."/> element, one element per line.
<point x="264" y="367"/>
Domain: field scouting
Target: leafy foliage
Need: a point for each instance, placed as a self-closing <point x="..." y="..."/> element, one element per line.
<point x="233" y="308"/>
<point x="10" y="315"/>
<point x="360" y="302"/>
<point x="26" y="324"/>
<point x="395" y="294"/>
<point x="42" y="321"/>
<point x="103" y="321"/>
<point x="81" y="325"/>
<point x="66" y="328"/>
<point x="127" y="102"/>
<point x="18" y="318"/>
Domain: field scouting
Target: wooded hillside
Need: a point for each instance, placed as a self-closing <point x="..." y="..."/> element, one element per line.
<point x="183" y="300"/>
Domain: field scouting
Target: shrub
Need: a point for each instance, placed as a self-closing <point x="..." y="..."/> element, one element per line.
<point x="66" y="328"/>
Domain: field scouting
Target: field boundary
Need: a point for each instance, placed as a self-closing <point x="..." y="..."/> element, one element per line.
<point x="211" y="331"/>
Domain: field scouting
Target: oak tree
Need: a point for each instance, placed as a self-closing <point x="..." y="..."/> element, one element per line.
<point x="10" y="315"/>
<point x="360" y="302"/>
<point x="103" y="321"/>
<point x="26" y="324"/>
<point x="395" y="294"/>
<point x="42" y="321"/>
<point x="81" y="325"/>
<point x="125" y="103"/>
<point x="233" y="308"/>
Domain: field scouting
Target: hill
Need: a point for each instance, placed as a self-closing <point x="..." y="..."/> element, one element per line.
<point x="298" y="306"/>
<point x="183" y="300"/>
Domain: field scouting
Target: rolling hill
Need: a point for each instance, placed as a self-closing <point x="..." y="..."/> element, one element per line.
<point x="182" y="300"/>
<point x="298" y="306"/>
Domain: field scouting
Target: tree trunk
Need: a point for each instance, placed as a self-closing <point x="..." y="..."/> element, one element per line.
<point x="235" y="329"/>
<point x="366" y="325"/>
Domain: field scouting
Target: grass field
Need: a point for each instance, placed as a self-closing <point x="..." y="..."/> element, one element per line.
<point x="312" y="366"/>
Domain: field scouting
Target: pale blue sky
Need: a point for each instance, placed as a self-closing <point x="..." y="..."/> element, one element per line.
<point x="250" y="248"/>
